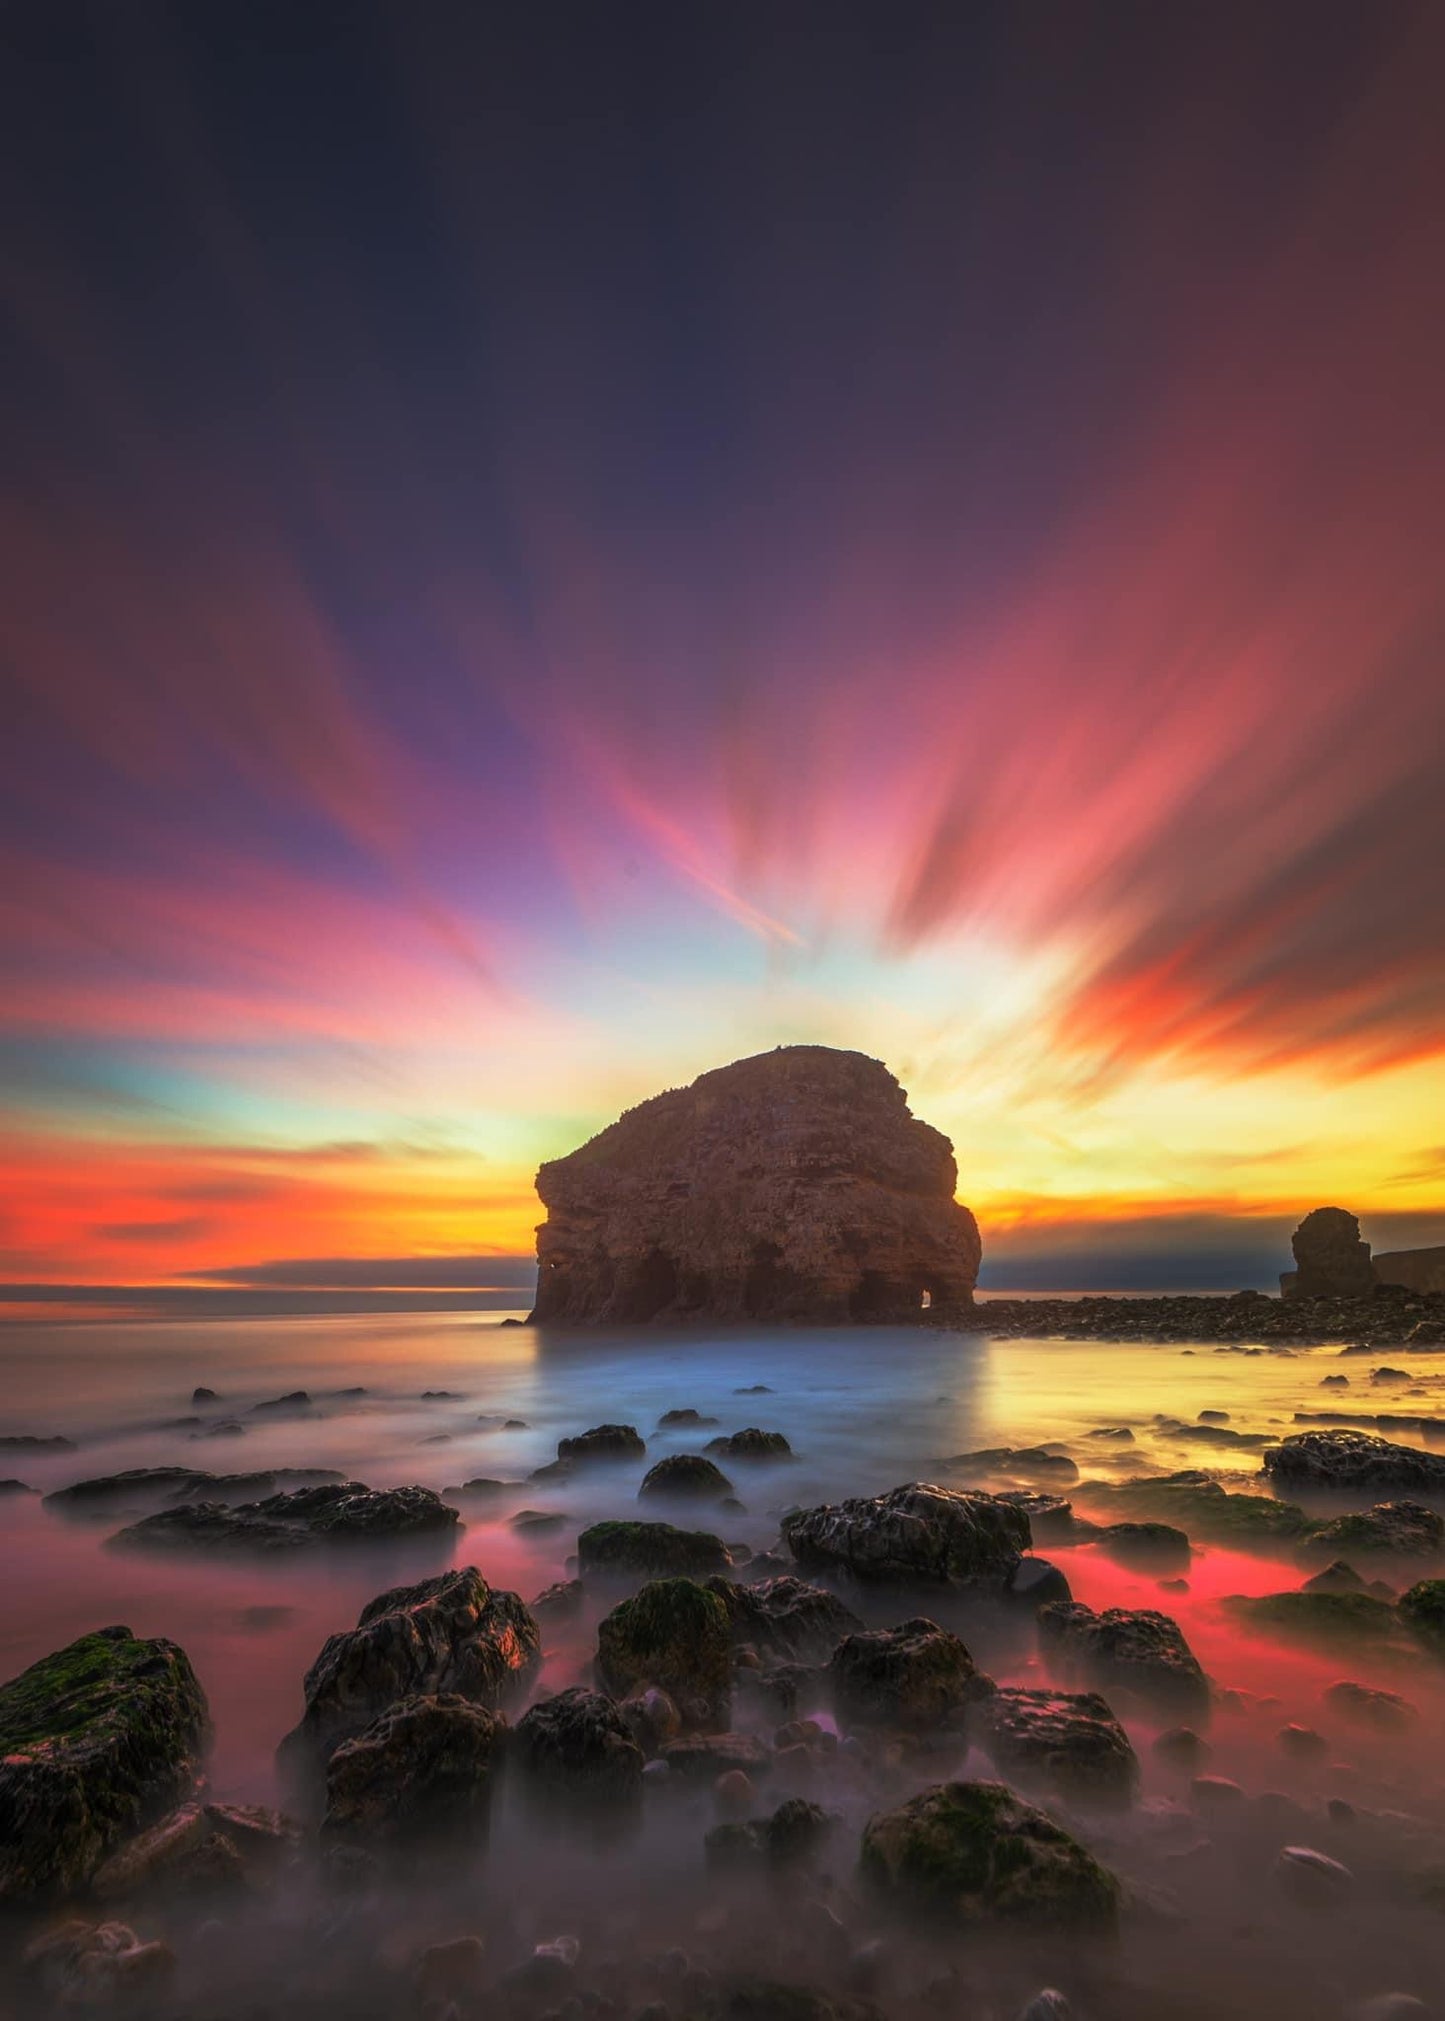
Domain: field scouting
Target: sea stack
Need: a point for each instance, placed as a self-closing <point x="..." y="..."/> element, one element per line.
<point x="793" y="1186"/>
<point x="1330" y="1259"/>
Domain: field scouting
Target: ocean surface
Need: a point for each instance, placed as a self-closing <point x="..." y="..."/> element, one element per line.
<point x="864" y="1409"/>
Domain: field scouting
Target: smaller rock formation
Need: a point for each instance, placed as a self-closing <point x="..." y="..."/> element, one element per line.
<point x="973" y="1852"/>
<point x="340" y="1513"/>
<point x="1133" y="1649"/>
<point x="1067" y="1743"/>
<point x="677" y="1636"/>
<point x="1390" y="1530"/>
<point x="421" y="1774"/>
<point x="623" y="1550"/>
<point x="792" y="1186"/>
<point x="1330" y="1259"/>
<point x="914" y="1677"/>
<point x="451" y="1635"/>
<point x="1422" y="1610"/>
<point x="785" y="1620"/>
<point x="751" y="1444"/>
<point x="685" y="1477"/>
<point x="96" y="1742"/>
<point x="795" y="1833"/>
<point x="918" y="1534"/>
<point x="1353" y="1460"/>
<point x="575" y="1753"/>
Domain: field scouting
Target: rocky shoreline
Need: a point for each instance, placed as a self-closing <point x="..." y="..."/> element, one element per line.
<point x="1389" y="1316"/>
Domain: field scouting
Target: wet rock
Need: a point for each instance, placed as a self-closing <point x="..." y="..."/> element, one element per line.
<point x="1182" y="1748"/>
<point x="1367" y="1706"/>
<point x="795" y="1834"/>
<point x="1353" y="1460"/>
<point x="451" y="1635"/>
<point x="1027" y="1462"/>
<point x="1216" y="1793"/>
<point x="973" y="1852"/>
<point x="1037" y="1583"/>
<point x="1336" y="1578"/>
<point x="559" y="1602"/>
<point x="751" y="1444"/>
<point x="1051" y="1518"/>
<point x="1138" y="1649"/>
<point x="483" y="1489"/>
<point x="795" y="1185"/>
<point x="420" y="1773"/>
<point x="295" y="1404"/>
<point x="786" y="1620"/>
<point x="1311" y="1878"/>
<point x="603" y="1442"/>
<point x="200" y="1394"/>
<point x="914" y="1534"/>
<point x="676" y="1635"/>
<point x="108" y="1494"/>
<point x="575" y="1753"/>
<point x="99" y="1965"/>
<point x="1194" y="1503"/>
<point x="1302" y="1743"/>
<point x="1391" y="1529"/>
<point x="1068" y="1743"/>
<point x="685" y="1477"/>
<point x="1422" y="1610"/>
<point x="626" y="1550"/>
<point x="96" y="1742"/>
<point x="703" y="1757"/>
<point x="341" y="1513"/>
<point x="1149" y="1547"/>
<point x="1330" y="1259"/>
<point x="538" y="1521"/>
<point x="676" y="1419"/>
<point x="651" y="1718"/>
<point x="200" y="1849"/>
<point x="917" y="1676"/>
<point x="1326" y="1618"/>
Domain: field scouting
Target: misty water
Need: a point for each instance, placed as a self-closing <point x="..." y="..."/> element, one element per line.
<point x="1209" y="1932"/>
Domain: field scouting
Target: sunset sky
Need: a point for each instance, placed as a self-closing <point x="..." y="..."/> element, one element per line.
<point x="545" y="552"/>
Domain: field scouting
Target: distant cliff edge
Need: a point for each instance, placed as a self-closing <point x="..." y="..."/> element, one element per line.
<point x="793" y="1186"/>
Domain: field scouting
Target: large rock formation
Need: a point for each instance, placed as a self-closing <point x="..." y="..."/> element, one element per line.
<point x="1330" y="1259"/>
<point x="795" y="1185"/>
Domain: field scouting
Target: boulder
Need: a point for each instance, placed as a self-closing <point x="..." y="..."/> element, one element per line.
<point x="624" y="1550"/>
<point x="786" y="1620"/>
<point x="603" y="1442"/>
<point x="1022" y="1462"/>
<point x="1353" y="1460"/>
<point x="134" y="1488"/>
<point x="340" y="1513"/>
<point x="1136" y="1649"/>
<point x="200" y="1849"/>
<point x="1367" y="1705"/>
<point x="1327" y="1618"/>
<point x="1066" y="1743"/>
<point x="674" y="1420"/>
<point x="96" y="1742"/>
<point x="685" y="1477"/>
<point x="80" y="1967"/>
<point x="1422" y="1610"/>
<point x="451" y="1635"/>
<point x="795" y="1833"/>
<point x="1389" y="1530"/>
<point x="1193" y="1502"/>
<point x="674" y="1634"/>
<point x="1330" y="1259"/>
<point x="918" y="1534"/>
<point x="795" y="1185"/>
<point x="703" y="1757"/>
<point x="974" y="1852"/>
<point x="751" y="1444"/>
<point x="575" y="1752"/>
<point x="420" y="1773"/>
<point x="1146" y="1547"/>
<point x="917" y="1676"/>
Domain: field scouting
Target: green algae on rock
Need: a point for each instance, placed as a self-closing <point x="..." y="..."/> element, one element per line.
<point x="622" y="1549"/>
<point x="1422" y="1610"/>
<point x="96" y="1742"/>
<point x="974" y="1852"/>
<point x="676" y="1635"/>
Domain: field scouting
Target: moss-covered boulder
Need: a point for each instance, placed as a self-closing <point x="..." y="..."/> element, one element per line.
<point x="685" y="1477"/>
<point x="973" y="1852"/>
<point x="785" y="1620"/>
<point x="1333" y="1619"/>
<point x="96" y="1742"/>
<point x="914" y="1677"/>
<point x="1391" y="1530"/>
<point x="1146" y="1547"/>
<point x="1208" y="1513"/>
<point x="676" y="1635"/>
<point x="623" y="1550"/>
<point x="914" y="1535"/>
<point x="1422" y="1610"/>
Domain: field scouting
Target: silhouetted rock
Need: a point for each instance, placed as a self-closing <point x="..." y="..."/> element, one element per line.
<point x="795" y="1185"/>
<point x="96" y="1742"/>
<point x="575" y="1752"/>
<point x="751" y="1444"/>
<point x="1330" y="1259"/>
<point x="451" y="1635"/>
<point x="1149" y="1547"/>
<point x="603" y="1442"/>
<point x="916" y="1677"/>
<point x="973" y="1852"/>
<point x="919" y="1533"/>
<point x="1134" y="1648"/>
<point x="1391" y="1529"/>
<point x="620" y="1550"/>
<point x="1422" y="1610"/>
<point x="786" y="1620"/>
<point x="685" y="1477"/>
